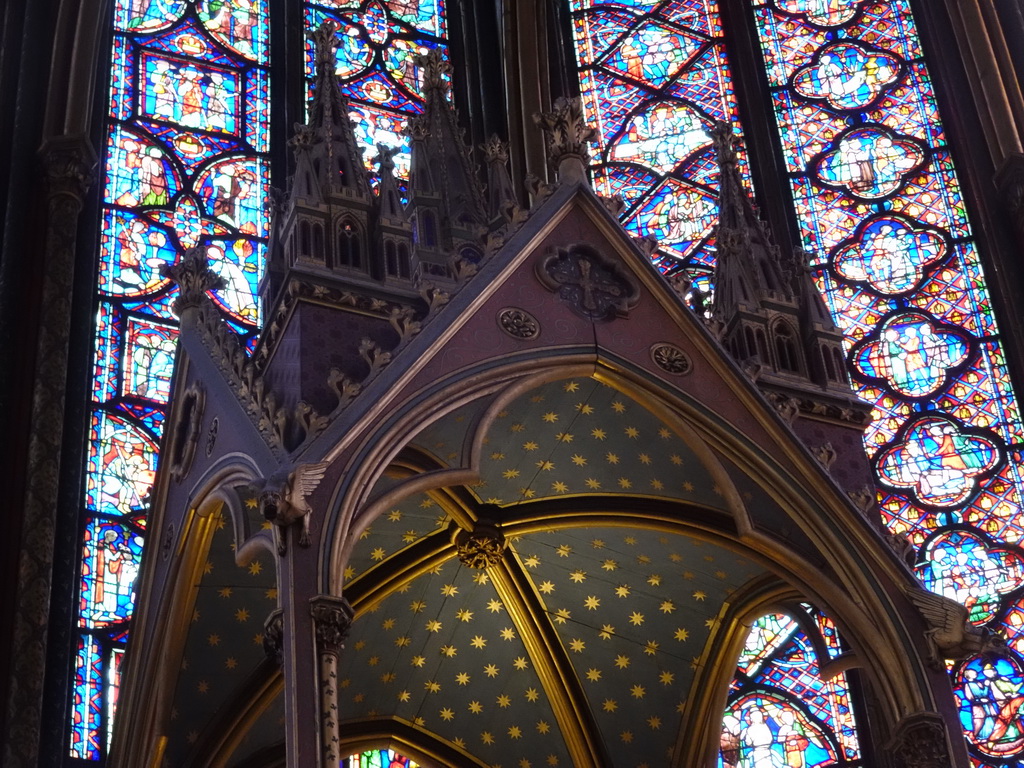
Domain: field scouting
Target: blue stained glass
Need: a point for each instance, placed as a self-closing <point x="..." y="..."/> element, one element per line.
<point x="188" y="121"/>
<point x="110" y="564"/>
<point x="87" y="701"/>
<point x="968" y="568"/>
<point x="781" y="712"/>
<point x="847" y="75"/>
<point x="991" y="695"/>
<point x="654" y="79"/>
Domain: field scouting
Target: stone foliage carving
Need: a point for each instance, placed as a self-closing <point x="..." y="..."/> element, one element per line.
<point x="566" y="133"/>
<point x="332" y="620"/>
<point x="482" y="547"/>
<point x="921" y="742"/>
<point x="671" y="359"/>
<point x="193" y="277"/>
<point x="594" y="287"/>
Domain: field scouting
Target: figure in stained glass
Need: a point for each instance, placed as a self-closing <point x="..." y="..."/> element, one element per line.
<point x="847" y="76"/>
<point x="661" y="136"/>
<point x="189" y="94"/>
<point x="991" y="694"/>
<point x="651" y="54"/>
<point x="869" y="162"/>
<point x="965" y="567"/>
<point x="912" y="354"/>
<point x="122" y="464"/>
<point x="821" y="12"/>
<point x="890" y="254"/>
<point x="110" y="565"/>
<point x="132" y="259"/>
<point x="149" y="360"/>
<point x="938" y="462"/>
<point x="237" y="267"/>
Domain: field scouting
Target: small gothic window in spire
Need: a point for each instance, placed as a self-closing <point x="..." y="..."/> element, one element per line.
<point x="318" y="242"/>
<point x="785" y="348"/>
<point x="427" y="229"/>
<point x="840" y="361"/>
<point x="829" y="361"/>
<point x="404" y="261"/>
<point x="391" y="258"/>
<point x="762" y="346"/>
<point x="749" y="346"/>
<point x="305" y="239"/>
<point x="349" y="252"/>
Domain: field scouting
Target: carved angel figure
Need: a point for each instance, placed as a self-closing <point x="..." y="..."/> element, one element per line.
<point x="283" y="499"/>
<point x="950" y="635"/>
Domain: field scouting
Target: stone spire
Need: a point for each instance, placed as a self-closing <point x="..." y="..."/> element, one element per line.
<point x="445" y="195"/>
<point x="748" y="269"/>
<point x="340" y="154"/>
<point x="501" y="194"/>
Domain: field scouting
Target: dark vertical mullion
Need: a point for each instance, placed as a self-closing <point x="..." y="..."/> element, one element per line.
<point x="287" y="83"/>
<point x="773" y="192"/>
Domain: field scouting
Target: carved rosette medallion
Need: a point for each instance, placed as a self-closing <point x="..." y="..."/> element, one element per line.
<point x="482" y="547"/>
<point x="595" y="287"/>
<point x="518" y="323"/>
<point x="273" y="635"/>
<point x="671" y="359"/>
<point x="920" y="742"/>
<point x="332" y="620"/>
<point x="186" y="431"/>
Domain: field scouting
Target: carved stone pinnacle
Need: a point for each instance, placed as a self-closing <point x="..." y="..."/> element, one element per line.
<point x="567" y="136"/>
<point x="193" y="277"/>
<point x="495" y="150"/>
<point x="436" y="71"/>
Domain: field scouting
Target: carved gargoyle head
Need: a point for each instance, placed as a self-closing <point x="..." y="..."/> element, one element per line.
<point x="271" y="503"/>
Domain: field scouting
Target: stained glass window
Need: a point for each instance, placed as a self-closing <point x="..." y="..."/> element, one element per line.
<point x="376" y="67"/>
<point x="185" y="165"/>
<point x="780" y="711"/>
<point x="881" y="210"/>
<point x="378" y="758"/>
<point x="654" y="78"/>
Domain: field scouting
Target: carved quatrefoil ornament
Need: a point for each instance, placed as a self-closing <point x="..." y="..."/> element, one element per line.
<point x="595" y="287"/>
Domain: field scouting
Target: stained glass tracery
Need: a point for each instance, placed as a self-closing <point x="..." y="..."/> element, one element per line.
<point x="654" y="78"/>
<point x="880" y="207"/>
<point x="185" y="165"/>
<point x="378" y="758"/>
<point x="780" y="711"/>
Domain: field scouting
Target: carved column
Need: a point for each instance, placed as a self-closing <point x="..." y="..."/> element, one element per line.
<point x="921" y="742"/>
<point x="68" y="163"/>
<point x="332" y="619"/>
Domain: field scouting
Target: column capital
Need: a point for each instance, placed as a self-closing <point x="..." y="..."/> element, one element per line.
<point x="332" y="620"/>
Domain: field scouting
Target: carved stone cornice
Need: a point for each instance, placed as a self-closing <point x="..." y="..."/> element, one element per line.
<point x="921" y="741"/>
<point x="273" y="635"/>
<point x="332" y="620"/>
<point x="789" y="406"/>
<point x="193" y="277"/>
<point x="481" y="547"/>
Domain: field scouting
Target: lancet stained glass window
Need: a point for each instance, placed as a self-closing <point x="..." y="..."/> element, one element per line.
<point x="654" y="78"/>
<point x="781" y="711"/>
<point x="185" y="166"/>
<point x="376" y="67"/>
<point x="881" y="210"/>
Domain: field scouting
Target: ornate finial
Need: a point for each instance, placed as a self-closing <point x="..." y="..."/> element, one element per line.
<point x="495" y="150"/>
<point x="567" y="136"/>
<point x="193" y="277"/>
<point x="436" y="71"/>
<point x="417" y="128"/>
<point x="723" y="139"/>
<point x="325" y="43"/>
